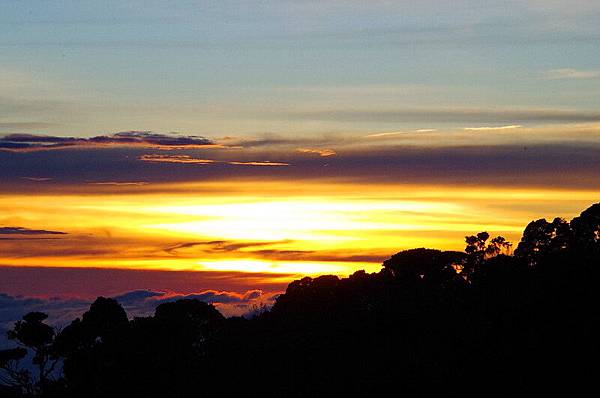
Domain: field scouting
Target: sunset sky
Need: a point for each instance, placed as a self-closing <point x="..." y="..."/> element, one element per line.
<point x="249" y="143"/>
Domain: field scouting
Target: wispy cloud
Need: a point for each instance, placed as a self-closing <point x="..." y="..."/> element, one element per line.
<point x="191" y="160"/>
<point x="119" y="183"/>
<point x="569" y="73"/>
<point x="494" y="128"/>
<point x="174" y="159"/>
<point x="221" y="245"/>
<point x="399" y="133"/>
<point x="320" y="152"/>
<point x="389" y="134"/>
<point x="408" y="155"/>
<point x="264" y="163"/>
<point x="445" y="115"/>
<point x="37" y="179"/>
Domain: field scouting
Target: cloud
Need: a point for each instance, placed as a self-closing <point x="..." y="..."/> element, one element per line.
<point x="446" y="115"/>
<point x="568" y="73"/>
<point x="261" y="250"/>
<point x="119" y="183"/>
<point x="392" y="134"/>
<point x="63" y="310"/>
<point x="174" y="159"/>
<point x="228" y="303"/>
<point x="214" y="296"/>
<point x="219" y="246"/>
<point x="186" y="159"/>
<point x="320" y="152"/>
<point x="144" y="302"/>
<point x="27" y="231"/>
<point x="264" y="163"/>
<point x="136" y="296"/>
<point x="494" y="128"/>
<point x="485" y="154"/>
<point x="37" y="179"/>
<point x="29" y="142"/>
<point x="318" y="256"/>
<point x="89" y="283"/>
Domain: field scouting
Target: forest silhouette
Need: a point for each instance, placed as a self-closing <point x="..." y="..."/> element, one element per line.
<point x="482" y="322"/>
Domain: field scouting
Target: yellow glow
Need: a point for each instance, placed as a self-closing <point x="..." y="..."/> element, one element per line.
<point x="286" y="267"/>
<point x="268" y="227"/>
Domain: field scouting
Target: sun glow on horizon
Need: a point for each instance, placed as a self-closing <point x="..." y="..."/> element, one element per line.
<point x="289" y="228"/>
<point x="284" y="267"/>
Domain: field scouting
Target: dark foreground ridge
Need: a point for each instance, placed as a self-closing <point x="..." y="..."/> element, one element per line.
<point x="483" y="322"/>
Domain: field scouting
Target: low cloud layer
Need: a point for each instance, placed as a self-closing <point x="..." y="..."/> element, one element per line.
<point x="63" y="310"/>
<point x="143" y="302"/>
<point x="382" y="158"/>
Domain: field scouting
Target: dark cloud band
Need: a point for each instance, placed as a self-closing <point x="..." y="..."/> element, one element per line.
<point x="27" y="231"/>
<point x="29" y="142"/>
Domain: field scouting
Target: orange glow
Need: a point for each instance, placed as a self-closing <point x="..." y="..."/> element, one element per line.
<point x="268" y="227"/>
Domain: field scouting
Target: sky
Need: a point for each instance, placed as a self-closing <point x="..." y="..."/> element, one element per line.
<point x="228" y="147"/>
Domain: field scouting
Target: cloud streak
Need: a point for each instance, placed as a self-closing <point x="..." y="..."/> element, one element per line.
<point x="219" y="246"/>
<point x="27" y="231"/>
<point x="187" y="159"/>
<point x="317" y="151"/>
<point x="119" y="183"/>
<point x="494" y="128"/>
<point x="483" y="154"/>
<point x="146" y="139"/>
<point x="263" y="163"/>
<point x="447" y="115"/>
<point x="571" y="74"/>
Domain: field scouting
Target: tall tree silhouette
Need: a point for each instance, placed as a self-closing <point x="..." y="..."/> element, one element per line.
<point x="31" y="334"/>
<point x="542" y="239"/>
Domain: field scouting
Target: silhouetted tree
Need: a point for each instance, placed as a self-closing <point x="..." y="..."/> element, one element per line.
<point x="586" y="231"/>
<point x="542" y="239"/>
<point x="31" y="334"/>
<point x="12" y="376"/>
<point x="478" y="250"/>
<point x="87" y="346"/>
<point x="424" y="263"/>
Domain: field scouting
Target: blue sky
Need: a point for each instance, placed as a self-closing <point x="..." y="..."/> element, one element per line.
<point x="253" y="67"/>
<point x="260" y="138"/>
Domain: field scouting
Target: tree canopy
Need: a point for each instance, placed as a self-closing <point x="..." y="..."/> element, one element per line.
<point x="479" y="322"/>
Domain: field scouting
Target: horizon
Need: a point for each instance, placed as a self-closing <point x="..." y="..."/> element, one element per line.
<point x="248" y="144"/>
